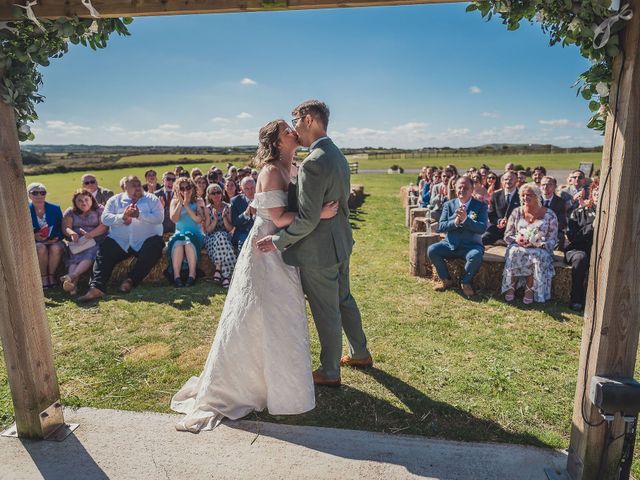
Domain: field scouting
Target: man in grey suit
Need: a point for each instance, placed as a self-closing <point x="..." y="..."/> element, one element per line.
<point x="321" y="248"/>
<point x="90" y="183"/>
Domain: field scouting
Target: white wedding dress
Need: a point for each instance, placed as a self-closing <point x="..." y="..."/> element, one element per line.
<point x="260" y="354"/>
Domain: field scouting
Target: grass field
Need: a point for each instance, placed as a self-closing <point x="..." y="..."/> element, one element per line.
<point x="218" y="158"/>
<point x="558" y="161"/>
<point x="480" y="370"/>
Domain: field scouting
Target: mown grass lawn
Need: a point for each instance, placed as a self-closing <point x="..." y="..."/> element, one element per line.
<point x="447" y="367"/>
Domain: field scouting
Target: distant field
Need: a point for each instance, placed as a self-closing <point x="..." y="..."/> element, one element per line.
<point x="558" y="161"/>
<point x="154" y="159"/>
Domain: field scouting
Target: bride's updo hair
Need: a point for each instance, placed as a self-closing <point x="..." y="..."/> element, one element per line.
<point x="268" y="151"/>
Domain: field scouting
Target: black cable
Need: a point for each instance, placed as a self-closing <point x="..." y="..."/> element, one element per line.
<point x="597" y="254"/>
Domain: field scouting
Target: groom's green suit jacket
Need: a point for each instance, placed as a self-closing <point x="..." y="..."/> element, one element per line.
<point x="323" y="177"/>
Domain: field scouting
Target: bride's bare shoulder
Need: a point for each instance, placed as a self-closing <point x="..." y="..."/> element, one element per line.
<point x="270" y="178"/>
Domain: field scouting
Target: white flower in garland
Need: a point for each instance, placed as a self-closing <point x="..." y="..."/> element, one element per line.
<point x="602" y="89"/>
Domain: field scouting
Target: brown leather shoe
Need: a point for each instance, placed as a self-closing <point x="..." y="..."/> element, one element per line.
<point x="126" y="286"/>
<point x="442" y="285"/>
<point x="468" y="290"/>
<point x="320" y="378"/>
<point x="93" y="295"/>
<point x="347" y="361"/>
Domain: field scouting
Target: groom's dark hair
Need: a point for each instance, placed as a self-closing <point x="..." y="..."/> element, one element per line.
<point x="315" y="108"/>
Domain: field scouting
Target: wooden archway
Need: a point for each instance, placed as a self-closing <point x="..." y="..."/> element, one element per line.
<point x="612" y="318"/>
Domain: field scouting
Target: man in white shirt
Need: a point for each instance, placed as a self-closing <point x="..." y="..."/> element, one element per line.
<point x="134" y="218"/>
<point x="90" y="183"/>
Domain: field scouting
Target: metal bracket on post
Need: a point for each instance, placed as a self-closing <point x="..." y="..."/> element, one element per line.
<point x="52" y="422"/>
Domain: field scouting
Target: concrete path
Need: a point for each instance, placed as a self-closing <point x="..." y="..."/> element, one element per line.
<point x="131" y="445"/>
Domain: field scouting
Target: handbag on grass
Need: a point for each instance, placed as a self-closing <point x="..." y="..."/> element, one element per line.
<point x="81" y="245"/>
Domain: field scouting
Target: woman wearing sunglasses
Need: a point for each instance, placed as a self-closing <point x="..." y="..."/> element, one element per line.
<point x="183" y="249"/>
<point x="46" y="220"/>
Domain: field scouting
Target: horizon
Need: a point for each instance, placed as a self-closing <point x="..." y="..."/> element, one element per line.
<point x="397" y="77"/>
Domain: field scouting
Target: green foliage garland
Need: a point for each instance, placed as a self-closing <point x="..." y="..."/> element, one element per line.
<point x="569" y="22"/>
<point x="24" y="47"/>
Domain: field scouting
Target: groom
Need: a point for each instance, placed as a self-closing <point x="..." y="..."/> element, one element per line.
<point x="321" y="248"/>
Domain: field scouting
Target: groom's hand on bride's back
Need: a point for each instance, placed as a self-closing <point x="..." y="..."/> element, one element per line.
<point x="266" y="244"/>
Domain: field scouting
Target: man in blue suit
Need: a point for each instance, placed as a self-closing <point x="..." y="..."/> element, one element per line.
<point x="464" y="220"/>
<point x="241" y="216"/>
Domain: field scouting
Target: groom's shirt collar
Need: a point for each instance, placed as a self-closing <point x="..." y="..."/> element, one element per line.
<point x="314" y="144"/>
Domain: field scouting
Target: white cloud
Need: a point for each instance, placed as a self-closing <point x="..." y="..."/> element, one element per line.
<point x="62" y="128"/>
<point x="113" y="129"/>
<point x="474" y="89"/>
<point x="489" y="114"/>
<point x="220" y="120"/>
<point x="169" y="126"/>
<point x="248" y="81"/>
<point x="244" y="115"/>
<point x="562" y="122"/>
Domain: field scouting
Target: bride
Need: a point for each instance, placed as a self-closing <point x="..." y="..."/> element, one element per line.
<point x="260" y="354"/>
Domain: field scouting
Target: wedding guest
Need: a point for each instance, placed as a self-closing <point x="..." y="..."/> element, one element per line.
<point x="451" y="187"/>
<point x="578" y="190"/>
<point x="165" y="194"/>
<point x="550" y="200"/>
<point x="531" y="234"/>
<point x="230" y="190"/>
<point x="425" y="188"/>
<point x="46" y="220"/>
<point x="493" y="183"/>
<point x="151" y="185"/>
<point x="178" y="170"/>
<point x="122" y="183"/>
<point x="479" y="191"/>
<point x="195" y="173"/>
<point x="254" y="174"/>
<point x="578" y="251"/>
<point x="218" y="241"/>
<point x="502" y="203"/>
<point x="423" y="177"/>
<point x="439" y="195"/>
<point x="453" y="169"/>
<point x="521" y="178"/>
<point x="201" y="187"/>
<point x="90" y="183"/>
<point x="242" y="215"/>
<point x="81" y="224"/>
<point x="484" y="171"/>
<point x="183" y="248"/>
<point x="232" y="174"/>
<point x="463" y="220"/>
<point x="538" y="173"/>
<point x="509" y="167"/>
<point x="134" y="218"/>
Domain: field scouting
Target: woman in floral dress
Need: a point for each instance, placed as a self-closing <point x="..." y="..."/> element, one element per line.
<point x="218" y="227"/>
<point x="531" y="233"/>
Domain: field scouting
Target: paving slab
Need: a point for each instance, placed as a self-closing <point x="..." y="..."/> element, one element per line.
<point x="111" y="444"/>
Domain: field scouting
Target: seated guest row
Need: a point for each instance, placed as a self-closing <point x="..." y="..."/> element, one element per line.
<point x="132" y="224"/>
<point x="525" y="219"/>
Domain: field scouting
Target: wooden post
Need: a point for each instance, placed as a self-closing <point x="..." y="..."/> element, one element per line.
<point x="414" y="213"/>
<point x="613" y="307"/>
<point x="419" y="242"/>
<point x="24" y="329"/>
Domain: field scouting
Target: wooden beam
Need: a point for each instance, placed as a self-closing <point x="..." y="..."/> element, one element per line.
<point x="614" y="313"/>
<point x="24" y="330"/>
<point x="135" y="8"/>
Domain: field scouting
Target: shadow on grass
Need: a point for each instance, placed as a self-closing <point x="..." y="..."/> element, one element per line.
<point x="552" y="308"/>
<point x="356" y="216"/>
<point x="347" y="407"/>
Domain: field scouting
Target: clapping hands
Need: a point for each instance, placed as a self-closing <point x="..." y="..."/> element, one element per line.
<point x="461" y="215"/>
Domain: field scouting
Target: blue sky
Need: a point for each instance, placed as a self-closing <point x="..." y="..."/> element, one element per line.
<point x="411" y="76"/>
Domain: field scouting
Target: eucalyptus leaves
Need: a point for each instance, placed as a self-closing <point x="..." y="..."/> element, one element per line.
<point x="589" y="24"/>
<point x="25" y="45"/>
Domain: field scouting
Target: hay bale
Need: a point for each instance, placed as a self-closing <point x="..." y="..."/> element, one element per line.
<point x="418" y="261"/>
<point x="407" y="215"/>
<point x="417" y="212"/>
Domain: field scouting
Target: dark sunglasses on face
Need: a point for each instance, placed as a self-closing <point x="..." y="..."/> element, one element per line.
<point x="184" y="188"/>
<point x="170" y="179"/>
<point x="35" y="193"/>
<point x="89" y="182"/>
<point x="215" y="193"/>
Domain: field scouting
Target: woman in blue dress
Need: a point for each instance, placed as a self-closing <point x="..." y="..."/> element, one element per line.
<point x="184" y="247"/>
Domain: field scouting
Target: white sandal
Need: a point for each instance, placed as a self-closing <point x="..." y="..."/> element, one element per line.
<point x="525" y="300"/>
